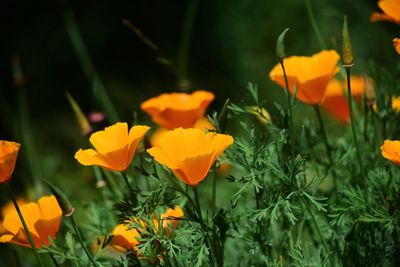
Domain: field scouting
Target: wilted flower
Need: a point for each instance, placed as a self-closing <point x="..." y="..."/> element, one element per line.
<point x="42" y="219"/>
<point x="175" y="110"/>
<point x="114" y="147"/>
<point x="8" y="158"/>
<point x="391" y="150"/>
<point x="190" y="153"/>
<point x="391" y="11"/>
<point x="396" y="44"/>
<point x="310" y="75"/>
<point x="335" y="101"/>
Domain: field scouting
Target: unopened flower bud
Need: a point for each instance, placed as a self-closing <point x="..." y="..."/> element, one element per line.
<point x="280" y="45"/>
<point x="347" y="54"/>
<point x="62" y="199"/>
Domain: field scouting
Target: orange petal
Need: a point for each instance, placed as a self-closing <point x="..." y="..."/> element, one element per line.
<point x="8" y="158"/>
<point x="111" y="138"/>
<point x="391" y="151"/>
<point x="90" y="157"/>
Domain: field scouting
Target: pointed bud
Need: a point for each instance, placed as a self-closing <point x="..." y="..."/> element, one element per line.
<point x="223" y="117"/>
<point x="18" y="74"/>
<point x="369" y="89"/>
<point x="280" y="45"/>
<point x="62" y="199"/>
<point x="82" y="120"/>
<point x="347" y="54"/>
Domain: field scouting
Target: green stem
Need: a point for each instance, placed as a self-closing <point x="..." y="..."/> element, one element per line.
<point x="214" y="191"/>
<point x="318" y="230"/>
<point x="28" y="234"/>
<point x="86" y="63"/>
<point x="290" y="109"/>
<point x="315" y="25"/>
<point x="323" y="133"/>
<point x="203" y="225"/>
<point x="184" y="47"/>
<point x="53" y="259"/>
<point x="78" y="234"/>
<point x="353" y="126"/>
<point x="128" y="184"/>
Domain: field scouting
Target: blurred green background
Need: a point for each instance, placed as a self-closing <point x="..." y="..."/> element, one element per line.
<point x="231" y="43"/>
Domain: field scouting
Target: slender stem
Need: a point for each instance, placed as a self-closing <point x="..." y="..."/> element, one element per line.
<point x="290" y="109"/>
<point x="318" y="230"/>
<point x="53" y="259"/>
<point x="203" y="225"/>
<point x="323" y="133"/>
<point x="28" y="234"/>
<point x="353" y="127"/>
<point x="128" y="184"/>
<point x="184" y="46"/>
<point x="315" y="25"/>
<point x="214" y="191"/>
<point x="78" y="234"/>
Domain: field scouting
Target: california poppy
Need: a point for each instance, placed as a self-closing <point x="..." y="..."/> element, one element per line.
<point x="170" y="216"/>
<point x="190" y="153"/>
<point x="8" y="158"/>
<point x="396" y="44"/>
<point x="310" y="75"/>
<point x="335" y="100"/>
<point x="175" y="110"/>
<point x="42" y="219"/>
<point x="114" y="147"/>
<point x="203" y="123"/>
<point x="124" y="238"/>
<point x="391" y="150"/>
<point x="391" y="11"/>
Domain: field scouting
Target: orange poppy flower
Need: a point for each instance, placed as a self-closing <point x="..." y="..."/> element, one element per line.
<point x="391" y="150"/>
<point x="170" y="217"/>
<point x="310" y="75"/>
<point x="175" y="110"/>
<point x="203" y="123"/>
<point x="115" y="147"/>
<point x="335" y="100"/>
<point x="396" y="44"/>
<point x="391" y="11"/>
<point x="190" y="153"/>
<point x="42" y="219"/>
<point x="124" y="238"/>
<point x="8" y="158"/>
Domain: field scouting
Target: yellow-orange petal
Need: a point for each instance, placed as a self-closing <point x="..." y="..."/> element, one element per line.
<point x="42" y="220"/>
<point x="124" y="238"/>
<point x="310" y="75"/>
<point x="112" y="138"/>
<point x="8" y="158"/>
<point x="396" y="44"/>
<point x="90" y="157"/>
<point x="170" y="217"/>
<point x="175" y="110"/>
<point x="391" y="150"/>
<point x="115" y="147"/>
<point x="190" y="153"/>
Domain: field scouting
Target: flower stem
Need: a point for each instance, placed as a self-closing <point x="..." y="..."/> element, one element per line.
<point x="53" y="259"/>
<point x="78" y="234"/>
<point x="314" y="25"/>
<point x="290" y="109"/>
<point x="353" y="126"/>
<point x="214" y="191"/>
<point x="318" y="230"/>
<point x="128" y="184"/>
<point x="323" y="133"/>
<point x="28" y="234"/>
<point x="203" y="226"/>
